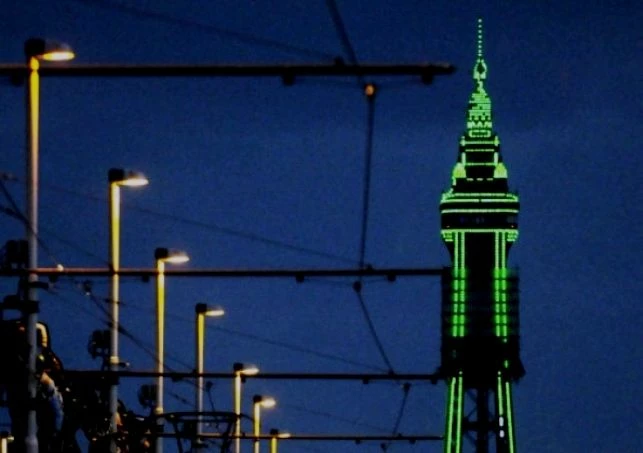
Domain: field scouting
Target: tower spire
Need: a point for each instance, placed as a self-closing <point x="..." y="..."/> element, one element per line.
<point x="479" y="122"/>
<point x="480" y="68"/>
<point x="480" y="37"/>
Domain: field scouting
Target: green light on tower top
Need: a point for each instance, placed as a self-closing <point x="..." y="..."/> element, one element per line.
<point x="479" y="122"/>
<point x="480" y="70"/>
<point x="479" y="167"/>
<point x="479" y="198"/>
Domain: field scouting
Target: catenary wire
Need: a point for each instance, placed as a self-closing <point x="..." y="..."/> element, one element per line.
<point x="373" y="331"/>
<point x="99" y="302"/>
<point x="237" y="333"/>
<point x="370" y="122"/>
<point x="333" y="417"/>
<point x="17" y="213"/>
<point x="211" y="226"/>
<point x="406" y="388"/>
<point x="349" y="50"/>
<point x="126" y="333"/>
<point x="244" y="38"/>
<point x="251" y="336"/>
<point x="370" y="324"/>
<point x="148" y="350"/>
<point x="340" y="28"/>
<point x="368" y="157"/>
<point x="80" y="286"/>
<point x="264" y="340"/>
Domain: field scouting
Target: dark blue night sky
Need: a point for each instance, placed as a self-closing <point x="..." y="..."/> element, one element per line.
<point x="247" y="173"/>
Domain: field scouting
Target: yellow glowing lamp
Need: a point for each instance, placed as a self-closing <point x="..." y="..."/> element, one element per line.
<point x="171" y="256"/>
<point x="48" y="50"/>
<point x="214" y="312"/>
<point x="128" y="178"/>
<point x="268" y="402"/>
<point x="245" y="369"/>
<point x="136" y="181"/>
<point x="60" y="55"/>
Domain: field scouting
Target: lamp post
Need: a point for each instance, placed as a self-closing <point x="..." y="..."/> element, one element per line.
<point x="275" y="435"/>
<point x="162" y="256"/>
<point x="36" y="49"/>
<point x="259" y="401"/>
<point x="202" y="311"/>
<point x="239" y="370"/>
<point x="116" y="177"/>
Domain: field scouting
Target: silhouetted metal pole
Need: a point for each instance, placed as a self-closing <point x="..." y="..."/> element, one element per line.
<point x="116" y="178"/>
<point x="35" y="49"/>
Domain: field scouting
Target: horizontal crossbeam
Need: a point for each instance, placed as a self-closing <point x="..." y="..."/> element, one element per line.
<point x="287" y="71"/>
<point x="299" y="274"/>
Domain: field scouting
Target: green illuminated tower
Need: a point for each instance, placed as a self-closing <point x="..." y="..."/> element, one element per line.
<point x="480" y="342"/>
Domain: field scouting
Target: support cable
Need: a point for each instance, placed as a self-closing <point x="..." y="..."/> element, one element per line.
<point x="99" y="303"/>
<point x="85" y="286"/>
<point x="369" y="92"/>
<point x="406" y="389"/>
<point x="17" y="213"/>
<point x="264" y="340"/>
<point x="244" y="235"/>
<point x="332" y="417"/>
<point x="244" y="38"/>
<point x="210" y="226"/>
<point x="371" y="328"/>
<point x="340" y="28"/>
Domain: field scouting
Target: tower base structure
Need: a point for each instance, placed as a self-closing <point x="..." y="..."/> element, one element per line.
<point x="480" y="359"/>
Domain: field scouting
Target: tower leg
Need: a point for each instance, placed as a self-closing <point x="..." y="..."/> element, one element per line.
<point x="455" y="407"/>
<point x="505" y="437"/>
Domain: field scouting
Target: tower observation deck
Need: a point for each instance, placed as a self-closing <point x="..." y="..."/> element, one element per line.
<point x="480" y="352"/>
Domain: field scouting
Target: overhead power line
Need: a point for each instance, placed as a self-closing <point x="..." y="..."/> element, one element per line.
<point x="406" y="388"/>
<point x="373" y="331"/>
<point x="264" y="340"/>
<point x="332" y="416"/>
<point x="244" y="38"/>
<point x="17" y="213"/>
<point x="340" y="28"/>
<point x="368" y="156"/>
<point x="201" y="224"/>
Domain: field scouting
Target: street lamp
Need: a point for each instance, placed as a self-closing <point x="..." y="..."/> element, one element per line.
<point x="116" y="177"/>
<point x="162" y="256"/>
<point x="201" y="311"/>
<point x="276" y="435"/>
<point x="239" y="370"/>
<point x="259" y="401"/>
<point x="5" y="439"/>
<point x="36" y="49"/>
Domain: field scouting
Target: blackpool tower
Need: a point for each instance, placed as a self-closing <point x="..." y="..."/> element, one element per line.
<point x="480" y="351"/>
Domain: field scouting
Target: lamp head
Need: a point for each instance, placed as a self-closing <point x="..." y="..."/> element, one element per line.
<point x="245" y="369"/>
<point x="44" y="49"/>
<point x="264" y="401"/>
<point x="215" y="311"/>
<point x="124" y="177"/>
<point x="172" y="256"/>
<point x="281" y="435"/>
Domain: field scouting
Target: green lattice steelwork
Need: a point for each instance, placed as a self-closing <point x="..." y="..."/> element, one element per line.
<point x="480" y="328"/>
